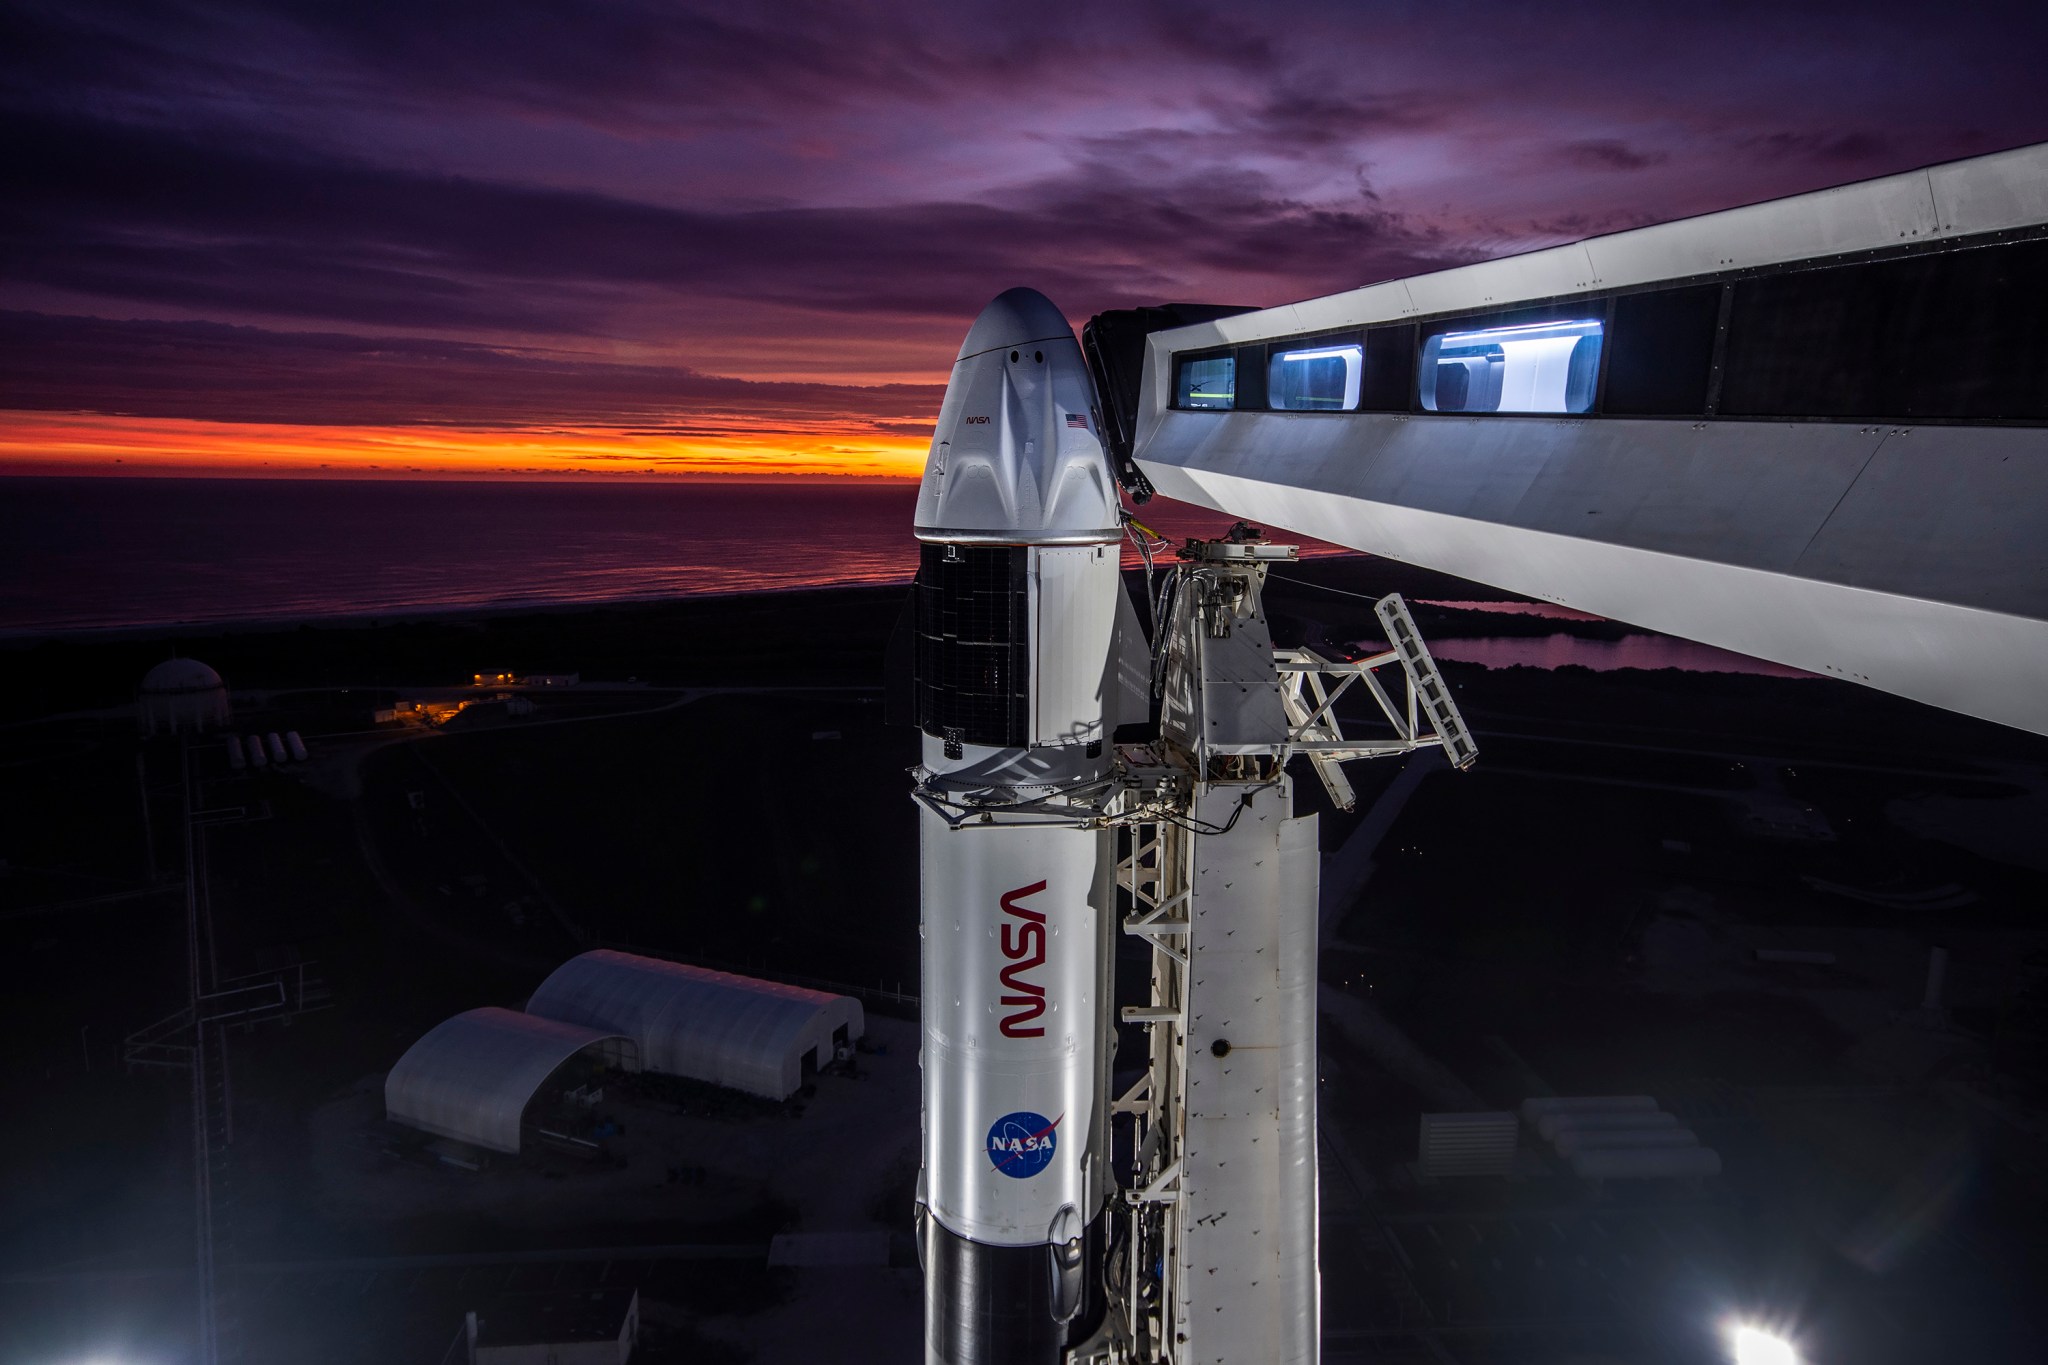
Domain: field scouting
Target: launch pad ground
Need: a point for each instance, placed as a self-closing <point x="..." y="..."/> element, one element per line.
<point x="1580" y="913"/>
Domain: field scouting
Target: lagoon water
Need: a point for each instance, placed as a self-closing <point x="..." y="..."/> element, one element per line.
<point x="1645" y="651"/>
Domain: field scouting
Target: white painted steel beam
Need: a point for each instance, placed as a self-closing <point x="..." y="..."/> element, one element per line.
<point x="1981" y="662"/>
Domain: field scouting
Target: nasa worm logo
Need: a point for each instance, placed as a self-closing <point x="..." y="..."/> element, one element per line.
<point x="1020" y="1145"/>
<point x="1024" y="946"/>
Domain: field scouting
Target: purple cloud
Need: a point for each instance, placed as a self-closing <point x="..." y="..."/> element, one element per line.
<point x="820" y="194"/>
<point x="176" y="369"/>
<point x="1609" y="154"/>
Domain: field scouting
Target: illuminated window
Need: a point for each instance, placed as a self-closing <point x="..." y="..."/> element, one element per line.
<point x="1537" y="367"/>
<point x="1315" y="379"/>
<point x="1210" y="382"/>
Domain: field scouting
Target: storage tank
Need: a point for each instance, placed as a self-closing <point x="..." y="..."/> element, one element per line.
<point x="182" y="696"/>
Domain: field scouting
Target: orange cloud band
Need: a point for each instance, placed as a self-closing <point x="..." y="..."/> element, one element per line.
<point x="91" y="443"/>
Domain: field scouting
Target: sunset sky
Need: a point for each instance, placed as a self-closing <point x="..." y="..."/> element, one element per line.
<point x="514" y="238"/>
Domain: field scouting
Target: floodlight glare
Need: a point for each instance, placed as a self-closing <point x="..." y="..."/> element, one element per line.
<point x="1755" y="1346"/>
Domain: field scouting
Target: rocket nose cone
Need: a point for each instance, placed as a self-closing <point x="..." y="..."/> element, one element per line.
<point x="1013" y="318"/>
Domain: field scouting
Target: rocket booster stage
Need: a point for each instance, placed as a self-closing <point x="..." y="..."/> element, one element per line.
<point x="1019" y="612"/>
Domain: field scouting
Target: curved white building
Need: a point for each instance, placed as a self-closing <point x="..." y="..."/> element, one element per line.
<point x="472" y="1077"/>
<point x="762" y="1037"/>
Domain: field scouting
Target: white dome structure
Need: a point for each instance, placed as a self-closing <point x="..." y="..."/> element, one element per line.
<point x="762" y="1037"/>
<point x="183" y="696"/>
<point x="473" y="1077"/>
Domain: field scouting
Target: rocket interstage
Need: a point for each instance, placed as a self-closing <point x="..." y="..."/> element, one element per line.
<point x="1018" y="612"/>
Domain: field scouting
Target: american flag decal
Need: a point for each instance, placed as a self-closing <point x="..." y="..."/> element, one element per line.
<point x="1075" y="419"/>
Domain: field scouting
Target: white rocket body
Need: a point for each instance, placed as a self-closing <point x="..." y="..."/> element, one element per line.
<point x="1018" y="613"/>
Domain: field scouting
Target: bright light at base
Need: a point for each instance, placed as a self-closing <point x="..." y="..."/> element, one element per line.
<point x="1755" y="1346"/>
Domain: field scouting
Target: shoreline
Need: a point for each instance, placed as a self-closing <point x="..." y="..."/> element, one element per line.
<point x="29" y="636"/>
<point x="420" y="614"/>
<point x="260" y="554"/>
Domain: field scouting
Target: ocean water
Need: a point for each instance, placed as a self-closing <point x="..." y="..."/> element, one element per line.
<point x="101" y="553"/>
<point x="90" y="553"/>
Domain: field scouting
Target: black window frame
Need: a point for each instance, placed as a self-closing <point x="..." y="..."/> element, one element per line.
<point x="1182" y="359"/>
<point x="1571" y="308"/>
<point x="1349" y="336"/>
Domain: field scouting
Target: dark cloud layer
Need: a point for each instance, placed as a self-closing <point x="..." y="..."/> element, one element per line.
<point x="389" y="212"/>
<point x="173" y="369"/>
<point x="1609" y="154"/>
<point x="145" y="213"/>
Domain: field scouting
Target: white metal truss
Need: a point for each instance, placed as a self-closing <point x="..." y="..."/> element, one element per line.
<point x="1311" y="686"/>
<point x="1157" y="1304"/>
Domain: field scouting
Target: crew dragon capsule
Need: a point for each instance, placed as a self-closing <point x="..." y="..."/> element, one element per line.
<point x="1020" y="623"/>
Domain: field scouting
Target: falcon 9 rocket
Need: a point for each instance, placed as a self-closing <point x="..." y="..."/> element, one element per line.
<point x="1019" y="615"/>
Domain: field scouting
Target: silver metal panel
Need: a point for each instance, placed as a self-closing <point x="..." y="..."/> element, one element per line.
<point x="1251" y="326"/>
<point x="1980" y="662"/>
<point x="1238" y="708"/>
<point x="1074" y="595"/>
<point x="1954" y="514"/>
<point x="1221" y="694"/>
<point x="1247" y="1273"/>
<point x="1390" y="299"/>
<point x="470" y="1078"/>
<point x="710" y="1026"/>
<point x="1300" y="1187"/>
<point x="2003" y="190"/>
<point x="1750" y="493"/>
<point x="1535" y="275"/>
<point x="1895" y="211"/>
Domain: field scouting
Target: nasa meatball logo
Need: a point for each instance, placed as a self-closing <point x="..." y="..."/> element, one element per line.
<point x="1020" y="1145"/>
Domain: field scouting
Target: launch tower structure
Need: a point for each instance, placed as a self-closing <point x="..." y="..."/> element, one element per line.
<point x="1219" y="1261"/>
<point x="1212" y="1240"/>
<point x="1041" y="837"/>
<point x="1806" y="430"/>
